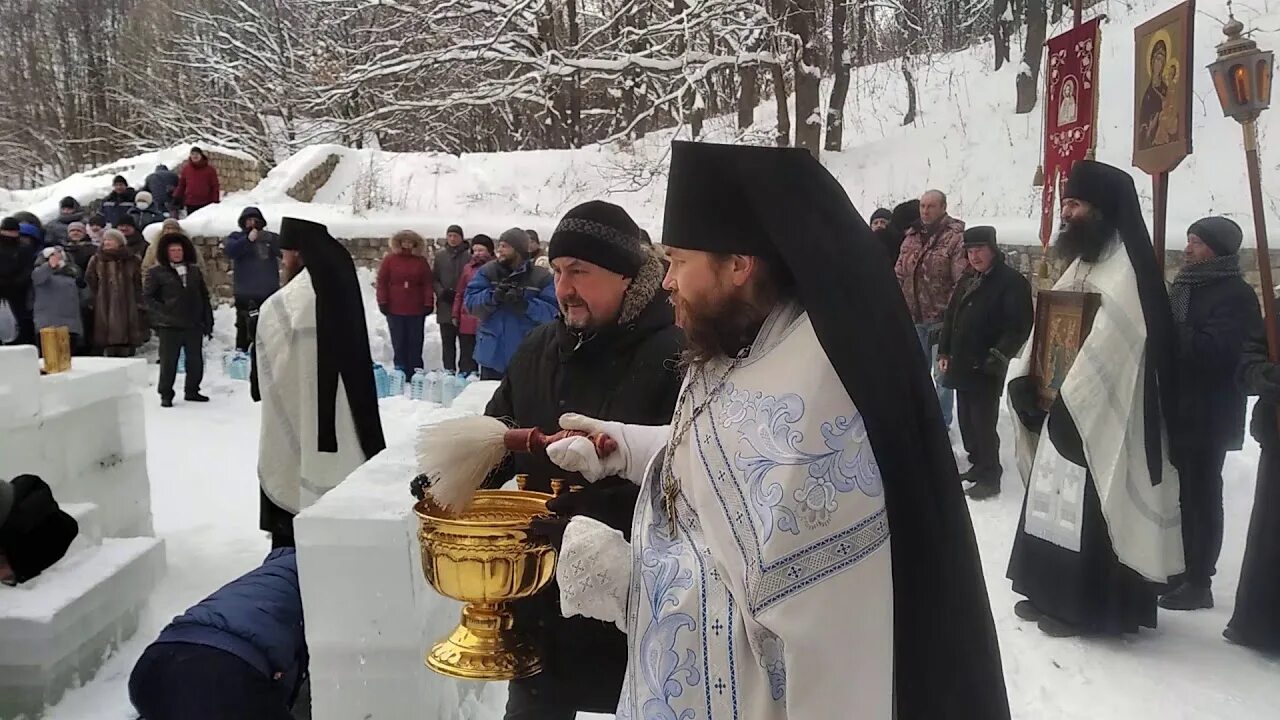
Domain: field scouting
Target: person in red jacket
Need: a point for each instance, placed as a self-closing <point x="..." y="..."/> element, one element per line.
<point x="197" y="183"/>
<point x="406" y="295"/>
<point x="468" y="324"/>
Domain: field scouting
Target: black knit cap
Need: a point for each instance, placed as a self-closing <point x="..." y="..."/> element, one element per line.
<point x="518" y="239"/>
<point x="602" y="234"/>
<point x="484" y="240"/>
<point x="11" y="224"/>
<point x="1221" y="234"/>
<point x="979" y="236"/>
<point x="69" y="203"/>
<point x="882" y="214"/>
<point x="127" y="220"/>
<point x="455" y="229"/>
<point x="119" y="180"/>
<point x="905" y="215"/>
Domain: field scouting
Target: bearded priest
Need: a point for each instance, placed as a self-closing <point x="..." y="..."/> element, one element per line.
<point x="801" y="548"/>
<point x="1100" y="526"/>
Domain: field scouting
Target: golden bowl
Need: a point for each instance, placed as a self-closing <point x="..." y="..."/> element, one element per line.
<point x="486" y="558"/>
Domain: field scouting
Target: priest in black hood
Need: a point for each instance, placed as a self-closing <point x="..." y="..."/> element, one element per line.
<point x="1100" y="527"/>
<point x="313" y="373"/>
<point x="801" y="548"/>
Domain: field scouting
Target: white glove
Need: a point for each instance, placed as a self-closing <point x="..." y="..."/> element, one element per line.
<point x="593" y="571"/>
<point x="637" y="444"/>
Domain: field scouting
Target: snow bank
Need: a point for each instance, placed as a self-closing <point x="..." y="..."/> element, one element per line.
<point x="95" y="184"/>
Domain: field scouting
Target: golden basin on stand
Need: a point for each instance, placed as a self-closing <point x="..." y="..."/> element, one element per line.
<point x="486" y="558"/>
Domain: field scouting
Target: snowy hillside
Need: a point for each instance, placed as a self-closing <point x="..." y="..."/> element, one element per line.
<point x="966" y="141"/>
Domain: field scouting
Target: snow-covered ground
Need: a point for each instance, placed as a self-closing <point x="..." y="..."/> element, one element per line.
<point x="207" y="513"/>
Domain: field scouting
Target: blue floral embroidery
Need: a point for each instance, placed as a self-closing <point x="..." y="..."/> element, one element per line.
<point x="665" y="672"/>
<point x="774" y="663"/>
<point x="768" y="440"/>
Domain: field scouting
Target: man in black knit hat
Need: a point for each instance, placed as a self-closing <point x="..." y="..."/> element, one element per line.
<point x="986" y="323"/>
<point x="450" y="261"/>
<point x="611" y="354"/>
<point x="1214" y="311"/>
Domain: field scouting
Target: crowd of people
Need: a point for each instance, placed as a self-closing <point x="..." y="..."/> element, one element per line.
<point x="727" y="357"/>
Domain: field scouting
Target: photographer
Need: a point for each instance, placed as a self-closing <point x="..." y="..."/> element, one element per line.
<point x="510" y="296"/>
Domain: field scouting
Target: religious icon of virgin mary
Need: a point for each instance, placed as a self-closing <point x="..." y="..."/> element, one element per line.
<point x="1153" y="100"/>
<point x="1068" y="109"/>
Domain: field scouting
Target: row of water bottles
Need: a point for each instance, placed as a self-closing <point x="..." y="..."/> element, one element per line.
<point x="437" y="386"/>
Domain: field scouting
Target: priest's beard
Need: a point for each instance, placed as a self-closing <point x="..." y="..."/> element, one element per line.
<point x="1084" y="238"/>
<point x="718" y="327"/>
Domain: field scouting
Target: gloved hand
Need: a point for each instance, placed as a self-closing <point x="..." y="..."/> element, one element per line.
<point x="550" y="527"/>
<point x="637" y="444"/>
<point x="1026" y="403"/>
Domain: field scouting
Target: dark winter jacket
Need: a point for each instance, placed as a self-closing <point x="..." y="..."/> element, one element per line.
<point x="115" y="286"/>
<point x="197" y="184"/>
<point x="161" y="185"/>
<point x="172" y="301"/>
<point x="1261" y="377"/>
<point x="137" y="244"/>
<point x="81" y="253"/>
<point x="450" y="262"/>
<point x="55" y="233"/>
<point x="258" y="618"/>
<point x="116" y="205"/>
<point x="626" y="373"/>
<point x="467" y="323"/>
<point x="57" y="296"/>
<point x="142" y="217"/>
<point x="508" y="304"/>
<point x="255" y="265"/>
<point x="987" y="322"/>
<point x="930" y="265"/>
<point x="1221" y="314"/>
<point x="17" y="256"/>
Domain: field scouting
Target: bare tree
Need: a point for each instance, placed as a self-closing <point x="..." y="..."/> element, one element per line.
<point x="840" y="62"/>
<point x="1028" y="80"/>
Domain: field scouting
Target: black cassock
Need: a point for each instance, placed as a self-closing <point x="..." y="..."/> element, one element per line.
<point x="1089" y="589"/>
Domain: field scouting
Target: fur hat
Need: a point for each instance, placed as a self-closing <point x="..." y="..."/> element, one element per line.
<point x="600" y="233"/>
<point x="518" y="240"/>
<point x="484" y="240"/>
<point x="979" y="236"/>
<point x="905" y="215"/>
<point x="142" y="199"/>
<point x="1221" y="234"/>
<point x="114" y="234"/>
<point x="50" y="251"/>
<point x="402" y="237"/>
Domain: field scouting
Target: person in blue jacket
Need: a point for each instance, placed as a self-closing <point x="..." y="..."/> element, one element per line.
<point x="240" y="653"/>
<point x="255" y="256"/>
<point x="511" y="296"/>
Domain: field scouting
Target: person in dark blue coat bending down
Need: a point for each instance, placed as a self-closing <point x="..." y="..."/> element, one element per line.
<point x="239" y="654"/>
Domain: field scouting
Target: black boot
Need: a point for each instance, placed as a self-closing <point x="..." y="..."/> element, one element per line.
<point x="1188" y="597"/>
<point x="983" y="489"/>
<point x="1056" y="628"/>
<point x="1026" y="610"/>
<point x="196" y="397"/>
<point x="166" y="402"/>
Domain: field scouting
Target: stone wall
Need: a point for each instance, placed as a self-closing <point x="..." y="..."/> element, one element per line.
<point x="1026" y="259"/>
<point x="305" y="189"/>
<point x="367" y="253"/>
<point x="234" y="173"/>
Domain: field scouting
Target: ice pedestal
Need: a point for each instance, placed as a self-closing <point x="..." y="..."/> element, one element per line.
<point x="83" y="432"/>
<point x="370" y="614"/>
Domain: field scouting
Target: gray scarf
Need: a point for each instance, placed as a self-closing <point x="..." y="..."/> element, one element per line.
<point x="1201" y="273"/>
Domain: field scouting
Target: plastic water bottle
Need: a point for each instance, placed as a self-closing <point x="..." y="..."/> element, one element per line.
<point x="418" y="385"/>
<point x="241" y="366"/>
<point x="435" y="387"/>
<point x="228" y="359"/>
<point x="182" y="360"/>
<point x="381" y="380"/>
<point x="395" y="382"/>
<point x="452" y="387"/>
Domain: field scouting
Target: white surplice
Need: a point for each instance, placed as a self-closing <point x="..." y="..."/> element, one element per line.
<point x="1105" y="394"/>
<point x="773" y="598"/>
<point x="291" y="469"/>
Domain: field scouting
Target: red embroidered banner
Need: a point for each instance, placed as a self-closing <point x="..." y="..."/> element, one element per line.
<point x="1071" y="92"/>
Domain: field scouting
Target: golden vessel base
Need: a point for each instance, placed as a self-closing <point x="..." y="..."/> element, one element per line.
<point x="475" y="651"/>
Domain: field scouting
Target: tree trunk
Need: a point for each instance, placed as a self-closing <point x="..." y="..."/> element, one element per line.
<point x="840" y="68"/>
<point x="804" y="21"/>
<point x="1003" y="30"/>
<point x="748" y="95"/>
<point x="575" y="85"/>
<point x="783" y="135"/>
<point x="910" y="117"/>
<point x="1028" y="81"/>
<point x="1058" y="7"/>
